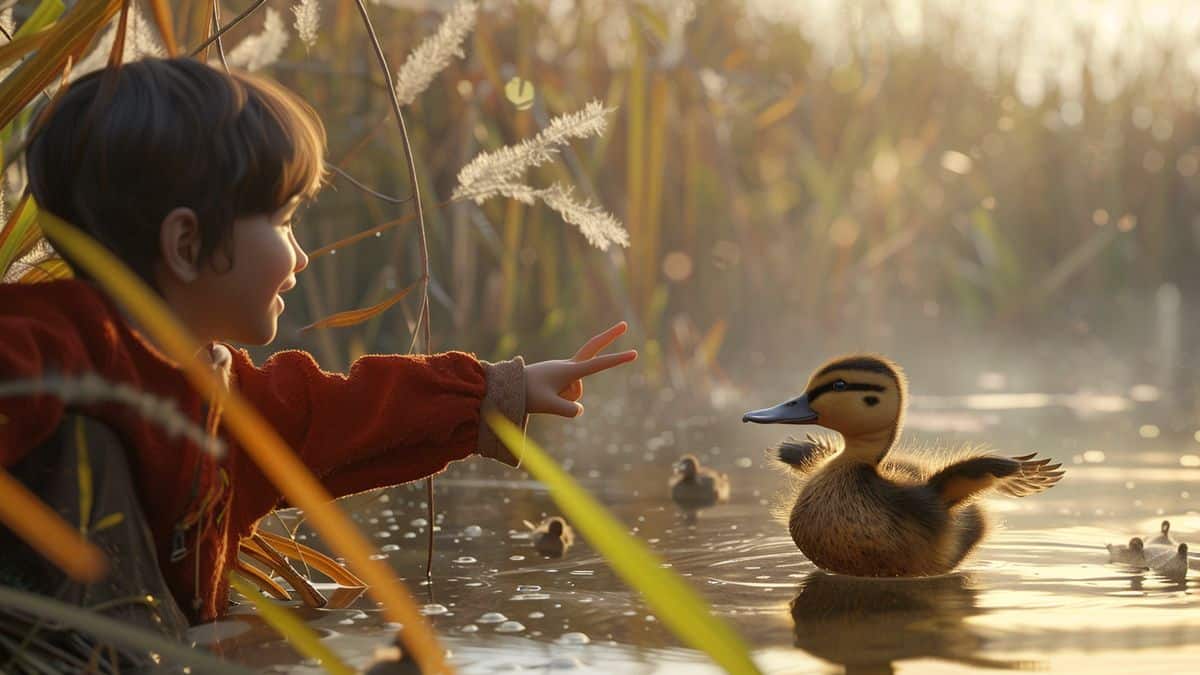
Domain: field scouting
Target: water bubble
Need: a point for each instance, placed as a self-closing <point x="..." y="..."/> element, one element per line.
<point x="1148" y="431"/>
<point x="465" y="560"/>
<point x="530" y="588"/>
<point x="473" y="531"/>
<point x="564" y="663"/>
<point x="378" y="556"/>
<point x="516" y="557"/>
<point x="410" y="535"/>
<point x="469" y="628"/>
<point x="510" y="627"/>
<point x="434" y="610"/>
<point x="492" y="617"/>
<point x="537" y="615"/>
<point x="1093" y="456"/>
<point x="583" y="573"/>
<point x="419" y="522"/>
<point x="378" y="234"/>
<point x="574" y="639"/>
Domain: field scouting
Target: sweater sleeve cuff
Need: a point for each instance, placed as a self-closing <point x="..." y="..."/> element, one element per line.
<point x="506" y="395"/>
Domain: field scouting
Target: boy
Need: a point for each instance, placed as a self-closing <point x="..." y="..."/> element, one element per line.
<point x="191" y="176"/>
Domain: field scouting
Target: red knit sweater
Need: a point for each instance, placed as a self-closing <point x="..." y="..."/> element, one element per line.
<point x="392" y="419"/>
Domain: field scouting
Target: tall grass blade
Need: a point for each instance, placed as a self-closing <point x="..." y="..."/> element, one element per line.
<point x="357" y="316"/>
<point x="118" y="632"/>
<point x="166" y="26"/>
<point x="68" y="37"/>
<point x="20" y="233"/>
<point x="673" y="601"/>
<point x="301" y="637"/>
<point x="257" y="438"/>
<point x="43" y="529"/>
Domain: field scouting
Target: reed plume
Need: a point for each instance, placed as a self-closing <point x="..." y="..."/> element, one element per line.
<point x="91" y="388"/>
<point x="435" y="53"/>
<point x="260" y="50"/>
<point x="496" y="174"/>
<point x="308" y="21"/>
<point x="141" y="39"/>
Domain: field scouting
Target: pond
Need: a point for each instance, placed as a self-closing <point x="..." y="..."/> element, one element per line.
<point x="1039" y="594"/>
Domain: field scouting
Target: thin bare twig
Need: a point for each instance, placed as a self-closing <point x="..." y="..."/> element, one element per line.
<point x="358" y="184"/>
<point x="227" y="27"/>
<point x="422" y="327"/>
<point x="216" y="27"/>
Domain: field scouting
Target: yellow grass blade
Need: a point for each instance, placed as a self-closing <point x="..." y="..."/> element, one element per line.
<point x="47" y="270"/>
<point x="357" y="316"/>
<point x="673" y="601"/>
<point x="47" y="12"/>
<point x="83" y="471"/>
<point x="68" y="36"/>
<point x="20" y="46"/>
<point x="117" y="51"/>
<point x="303" y="638"/>
<point x="257" y="438"/>
<point x="43" y="529"/>
<point x="20" y="233"/>
<point x="162" y="17"/>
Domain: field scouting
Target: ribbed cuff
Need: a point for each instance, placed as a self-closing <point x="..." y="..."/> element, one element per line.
<point x="505" y="394"/>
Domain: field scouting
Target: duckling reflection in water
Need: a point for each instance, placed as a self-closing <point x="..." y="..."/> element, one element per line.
<point x="867" y="625"/>
<point x="552" y="537"/>
<point x="695" y="486"/>
<point x="858" y="511"/>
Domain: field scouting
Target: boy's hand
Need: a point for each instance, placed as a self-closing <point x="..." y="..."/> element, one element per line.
<point x="555" y="387"/>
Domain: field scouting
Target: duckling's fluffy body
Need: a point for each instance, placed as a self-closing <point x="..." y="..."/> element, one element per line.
<point x="856" y="519"/>
<point x="864" y="508"/>
<point x="1159" y="552"/>
<point x="694" y="485"/>
<point x="552" y="537"/>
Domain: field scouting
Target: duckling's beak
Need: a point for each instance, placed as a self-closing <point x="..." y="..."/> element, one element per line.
<point x="795" y="411"/>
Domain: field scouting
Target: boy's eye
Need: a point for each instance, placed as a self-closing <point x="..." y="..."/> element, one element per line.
<point x="839" y="385"/>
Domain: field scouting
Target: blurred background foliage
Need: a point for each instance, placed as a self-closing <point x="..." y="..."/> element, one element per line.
<point x="838" y="174"/>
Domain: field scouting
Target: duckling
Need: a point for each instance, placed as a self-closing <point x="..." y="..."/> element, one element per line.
<point x="694" y="485"/>
<point x="1168" y="561"/>
<point x="1133" y="554"/>
<point x="1164" y="535"/>
<point x="552" y="537"/>
<point x="859" y="512"/>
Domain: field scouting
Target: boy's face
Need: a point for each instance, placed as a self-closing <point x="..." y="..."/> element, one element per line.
<point x="242" y="303"/>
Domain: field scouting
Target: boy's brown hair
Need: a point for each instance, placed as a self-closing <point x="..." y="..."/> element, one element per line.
<point x="122" y="148"/>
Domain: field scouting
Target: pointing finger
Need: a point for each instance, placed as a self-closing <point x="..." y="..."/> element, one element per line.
<point x="595" y="345"/>
<point x="600" y="363"/>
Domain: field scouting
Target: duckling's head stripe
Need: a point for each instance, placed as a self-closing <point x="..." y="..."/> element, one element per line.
<point x="867" y="363"/>
<point x="816" y="392"/>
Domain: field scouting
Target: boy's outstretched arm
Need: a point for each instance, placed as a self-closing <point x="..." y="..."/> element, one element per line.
<point x="394" y="419"/>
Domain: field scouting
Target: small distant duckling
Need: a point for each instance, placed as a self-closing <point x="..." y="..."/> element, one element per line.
<point x="393" y="660"/>
<point x="552" y="537"/>
<point x="1164" y="535"/>
<point x="1133" y="554"/>
<point x="1168" y="562"/>
<point x="695" y="486"/>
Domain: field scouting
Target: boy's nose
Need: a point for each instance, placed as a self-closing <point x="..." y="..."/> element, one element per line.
<point x="301" y="256"/>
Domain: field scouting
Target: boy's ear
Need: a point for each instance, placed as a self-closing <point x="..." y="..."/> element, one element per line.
<point x="179" y="244"/>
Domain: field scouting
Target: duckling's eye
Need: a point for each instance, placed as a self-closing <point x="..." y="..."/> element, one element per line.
<point x="871" y="400"/>
<point x="839" y="385"/>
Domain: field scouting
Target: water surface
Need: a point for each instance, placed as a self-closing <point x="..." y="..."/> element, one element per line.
<point x="1039" y="594"/>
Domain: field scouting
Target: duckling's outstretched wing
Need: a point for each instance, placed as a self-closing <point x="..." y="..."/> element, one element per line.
<point x="1015" y="476"/>
<point x="803" y="455"/>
